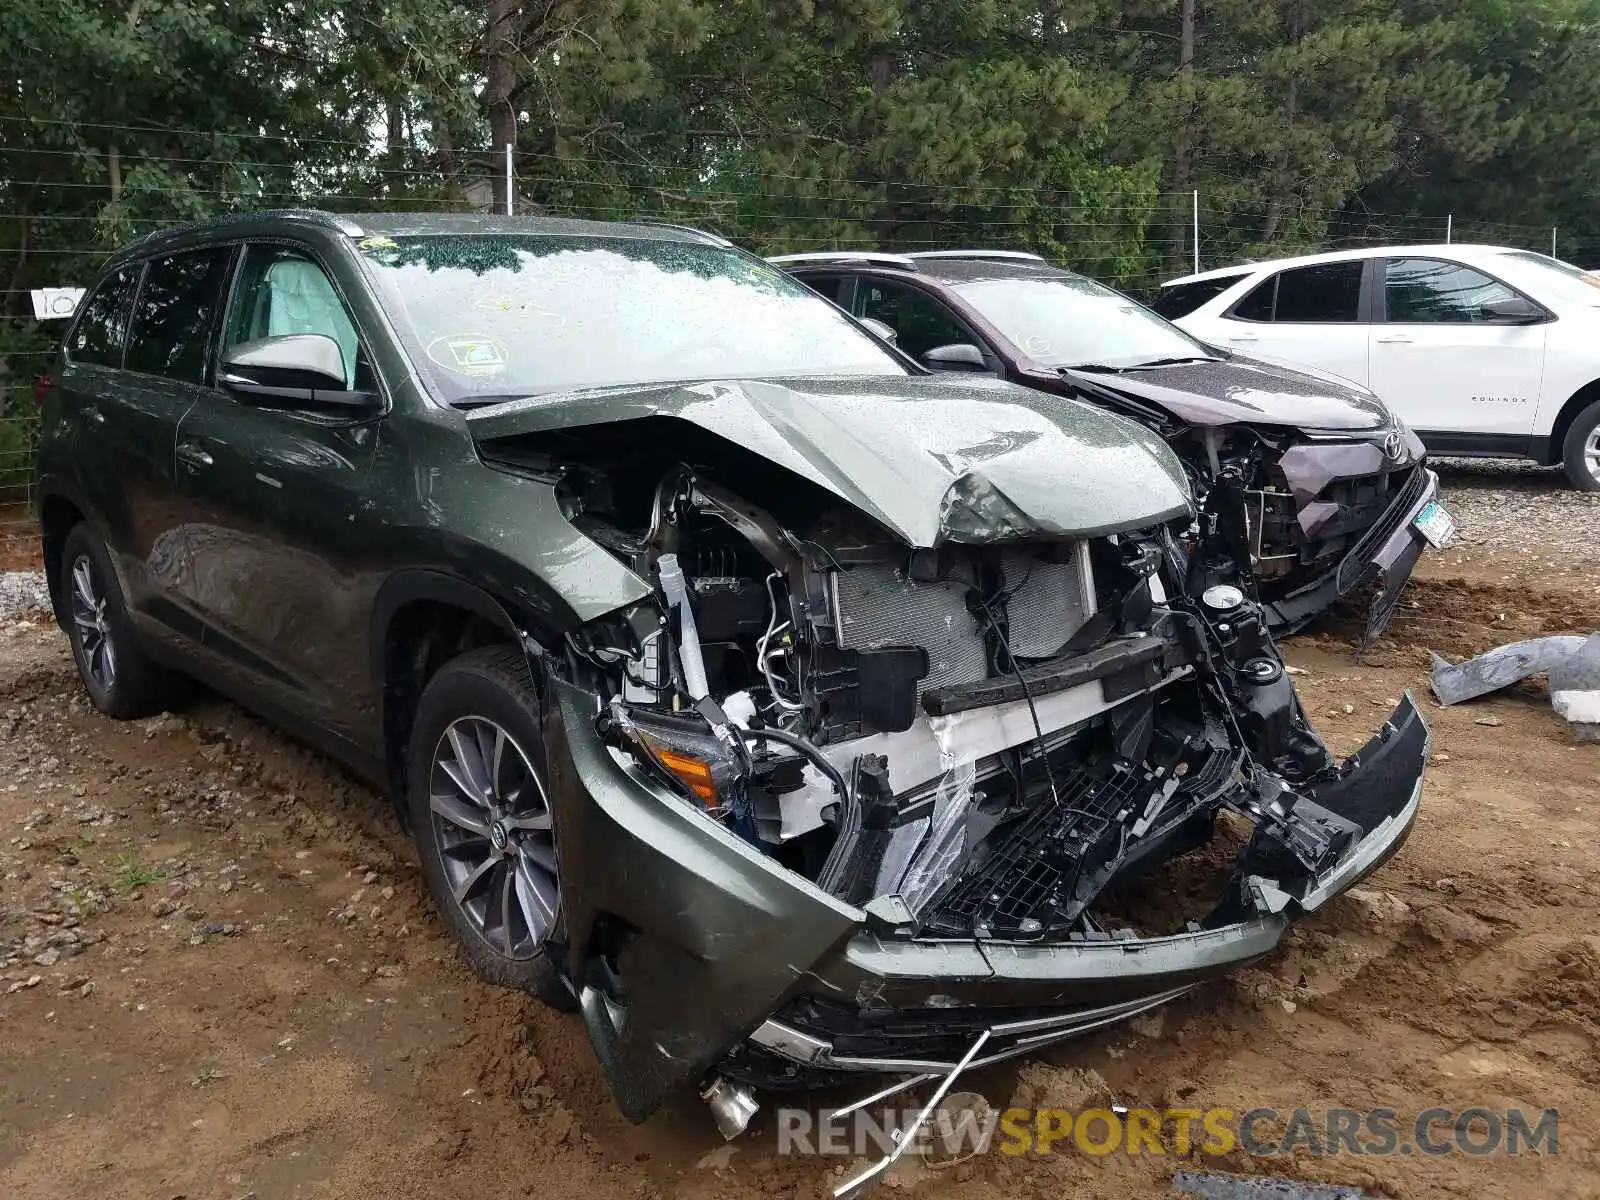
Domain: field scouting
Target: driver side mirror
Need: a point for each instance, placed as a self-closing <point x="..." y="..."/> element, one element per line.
<point x="958" y="356"/>
<point x="293" y="370"/>
<point x="1511" y="310"/>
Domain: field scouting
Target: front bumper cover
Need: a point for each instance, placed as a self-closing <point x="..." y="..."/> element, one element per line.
<point x="1388" y="552"/>
<point x="687" y="942"/>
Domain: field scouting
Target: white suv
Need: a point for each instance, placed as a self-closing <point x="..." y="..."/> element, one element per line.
<point x="1482" y="350"/>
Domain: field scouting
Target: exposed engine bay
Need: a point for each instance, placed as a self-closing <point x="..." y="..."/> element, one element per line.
<point x="974" y="740"/>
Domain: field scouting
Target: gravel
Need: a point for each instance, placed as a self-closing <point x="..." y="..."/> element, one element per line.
<point x="22" y="593"/>
<point x="1521" y="508"/>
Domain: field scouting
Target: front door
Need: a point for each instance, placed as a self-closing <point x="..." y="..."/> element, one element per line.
<point x="1443" y="364"/>
<point x="135" y="365"/>
<point x="275" y="513"/>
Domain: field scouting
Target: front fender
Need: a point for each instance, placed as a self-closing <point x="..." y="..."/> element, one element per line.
<point x="706" y="934"/>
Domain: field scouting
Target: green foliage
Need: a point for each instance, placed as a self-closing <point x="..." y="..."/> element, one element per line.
<point x="1074" y="127"/>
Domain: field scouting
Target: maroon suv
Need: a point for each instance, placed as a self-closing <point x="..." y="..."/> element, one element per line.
<point x="1309" y="487"/>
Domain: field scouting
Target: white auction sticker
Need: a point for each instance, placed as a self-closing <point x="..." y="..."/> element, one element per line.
<point x="55" y="304"/>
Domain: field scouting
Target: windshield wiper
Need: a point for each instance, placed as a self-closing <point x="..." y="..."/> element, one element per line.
<point x="485" y="401"/>
<point x="1172" y="362"/>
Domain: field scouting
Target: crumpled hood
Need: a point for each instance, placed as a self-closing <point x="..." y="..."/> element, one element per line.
<point x="932" y="460"/>
<point x="1238" y="389"/>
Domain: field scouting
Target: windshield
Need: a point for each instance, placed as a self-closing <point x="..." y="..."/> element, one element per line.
<point x="1551" y="278"/>
<point x="492" y="316"/>
<point x="1069" y="321"/>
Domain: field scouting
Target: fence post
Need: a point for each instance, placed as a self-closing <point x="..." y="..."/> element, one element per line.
<point x="1553" y="253"/>
<point x="509" y="183"/>
<point x="1197" y="231"/>
<point x="1449" y="227"/>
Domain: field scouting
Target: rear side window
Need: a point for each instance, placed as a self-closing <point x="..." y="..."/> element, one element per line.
<point x="826" y="286"/>
<point x="1327" y="293"/>
<point x="175" y="314"/>
<point x="102" y="331"/>
<point x="1181" y="299"/>
<point x="1426" y="291"/>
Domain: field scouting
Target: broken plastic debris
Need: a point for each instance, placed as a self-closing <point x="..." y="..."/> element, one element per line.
<point x="1571" y="662"/>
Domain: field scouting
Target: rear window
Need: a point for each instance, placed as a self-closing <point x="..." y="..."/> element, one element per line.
<point x="102" y="331"/>
<point x="1180" y="299"/>
<point x="175" y="314"/>
<point x="1326" y="293"/>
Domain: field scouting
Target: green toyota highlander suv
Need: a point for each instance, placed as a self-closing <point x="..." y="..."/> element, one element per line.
<point x="784" y="708"/>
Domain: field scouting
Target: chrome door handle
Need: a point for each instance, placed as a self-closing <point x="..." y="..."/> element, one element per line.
<point x="192" y="455"/>
<point x="95" y="415"/>
<point x="1395" y="339"/>
<point x="1243" y="337"/>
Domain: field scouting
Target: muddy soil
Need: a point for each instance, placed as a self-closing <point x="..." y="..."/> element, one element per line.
<point x="220" y="977"/>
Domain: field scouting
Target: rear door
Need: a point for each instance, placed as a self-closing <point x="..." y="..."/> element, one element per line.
<point x="1312" y="316"/>
<point x="275" y="515"/>
<point x="1444" y="365"/>
<point x="130" y="398"/>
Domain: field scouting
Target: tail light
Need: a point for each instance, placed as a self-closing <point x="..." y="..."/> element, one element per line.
<point x="41" y="388"/>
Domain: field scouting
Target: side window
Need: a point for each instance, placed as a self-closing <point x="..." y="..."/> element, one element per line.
<point x="920" y="322"/>
<point x="1181" y="299"/>
<point x="102" y="332"/>
<point x="1257" y="306"/>
<point x="1429" y="291"/>
<point x="1324" y="294"/>
<point x="281" y="290"/>
<point x="826" y="286"/>
<point x="175" y="314"/>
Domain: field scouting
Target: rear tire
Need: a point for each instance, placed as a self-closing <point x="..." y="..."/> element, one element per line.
<point x="481" y="816"/>
<point x="1582" y="450"/>
<point x="120" y="678"/>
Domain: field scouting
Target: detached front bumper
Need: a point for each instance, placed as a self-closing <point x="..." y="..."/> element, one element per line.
<point x="1388" y="551"/>
<point x="694" y="952"/>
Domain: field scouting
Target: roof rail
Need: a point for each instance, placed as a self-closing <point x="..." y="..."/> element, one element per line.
<point x="903" y="261"/>
<point x="1011" y="255"/>
<point x="714" y="239"/>
<point x="342" y="222"/>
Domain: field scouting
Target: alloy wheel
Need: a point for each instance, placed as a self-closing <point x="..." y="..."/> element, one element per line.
<point x="92" y="626"/>
<point x="1591" y="454"/>
<point x="491" y="819"/>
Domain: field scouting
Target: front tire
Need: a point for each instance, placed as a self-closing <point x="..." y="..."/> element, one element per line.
<point x="1582" y="450"/>
<point x="481" y="816"/>
<point x="118" y="675"/>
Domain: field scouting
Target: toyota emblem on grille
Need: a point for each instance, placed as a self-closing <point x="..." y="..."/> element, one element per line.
<point x="1394" y="446"/>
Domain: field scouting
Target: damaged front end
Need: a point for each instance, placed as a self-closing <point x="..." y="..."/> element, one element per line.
<point x="834" y="804"/>
<point x="1298" y="515"/>
<point x="1302" y="522"/>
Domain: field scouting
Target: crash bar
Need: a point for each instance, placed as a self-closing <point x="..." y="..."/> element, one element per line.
<point x="904" y="1137"/>
<point x="1031" y="1033"/>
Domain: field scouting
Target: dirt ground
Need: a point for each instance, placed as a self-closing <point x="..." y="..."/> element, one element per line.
<point x="220" y="977"/>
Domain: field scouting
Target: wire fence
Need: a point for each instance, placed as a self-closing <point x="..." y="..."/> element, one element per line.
<point x="55" y="231"/>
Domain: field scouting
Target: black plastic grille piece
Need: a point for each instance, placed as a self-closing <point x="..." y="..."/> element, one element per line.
<point x="1035" y="868"/>
<point x="1356" y="566"/>
<point x="1041" y="874"/>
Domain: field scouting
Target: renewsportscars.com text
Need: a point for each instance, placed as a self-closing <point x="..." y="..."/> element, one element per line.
<point x="1474" y="1132"/>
